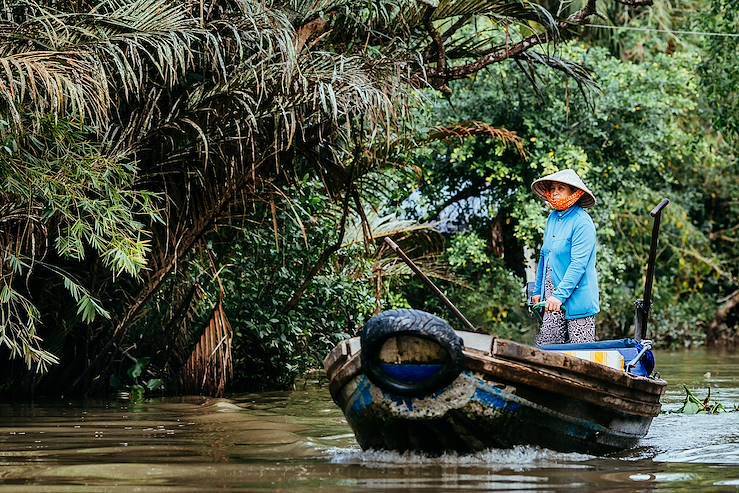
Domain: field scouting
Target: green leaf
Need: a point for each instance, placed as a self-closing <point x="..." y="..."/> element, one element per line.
<point x="717" y="408"/>
<point x="154" y="384"/>
<point x="89" y="308"/>
<point x="138" y="368"/>
<point x="691" y="408"/>
<point x="137" y="393"/>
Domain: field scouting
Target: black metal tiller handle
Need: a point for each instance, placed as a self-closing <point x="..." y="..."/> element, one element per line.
<point x="644" y="305"/>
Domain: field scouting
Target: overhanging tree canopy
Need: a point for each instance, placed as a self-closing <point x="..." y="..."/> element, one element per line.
<point x="131" y="129"/>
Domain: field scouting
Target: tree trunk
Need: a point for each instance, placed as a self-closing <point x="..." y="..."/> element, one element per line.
<point x="713" y="332"/>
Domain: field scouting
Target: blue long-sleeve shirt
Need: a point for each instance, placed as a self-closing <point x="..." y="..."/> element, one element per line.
<point x="569" y="248"/>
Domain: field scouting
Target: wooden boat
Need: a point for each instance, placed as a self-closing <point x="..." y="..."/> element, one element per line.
<point x="445" y="390"/>
<point x="411" y="382"/>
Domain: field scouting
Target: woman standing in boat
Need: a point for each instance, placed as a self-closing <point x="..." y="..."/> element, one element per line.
<point x="566" y="272"/>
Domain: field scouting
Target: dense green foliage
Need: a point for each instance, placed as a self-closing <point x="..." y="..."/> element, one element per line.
<point x="56" y="179"/>
<point x="719" y="78"/>
<point x="133" y="129"/>
<point x="276" y="338"/>
<point x="158" y="154"/>
<point x="640" y="138"/>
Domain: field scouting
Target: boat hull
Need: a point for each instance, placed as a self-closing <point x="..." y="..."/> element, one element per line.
<point x="471" y="414"/>
<point x="507" y="394"/>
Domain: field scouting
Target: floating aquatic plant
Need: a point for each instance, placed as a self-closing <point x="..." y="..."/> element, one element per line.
<point x="693" y="405"/>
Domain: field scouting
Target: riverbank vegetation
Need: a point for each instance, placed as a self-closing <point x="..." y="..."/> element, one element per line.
<point x="161" y="158"/>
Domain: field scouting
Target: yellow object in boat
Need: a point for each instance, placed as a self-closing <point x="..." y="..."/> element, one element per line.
<point x="611" y="359"/>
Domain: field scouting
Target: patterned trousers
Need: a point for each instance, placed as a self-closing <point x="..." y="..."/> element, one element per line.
<point x="556" y="329"/>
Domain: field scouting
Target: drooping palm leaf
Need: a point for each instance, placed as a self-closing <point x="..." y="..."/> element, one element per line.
<point x="380" y="226"/>
<point x="210" y="366"/>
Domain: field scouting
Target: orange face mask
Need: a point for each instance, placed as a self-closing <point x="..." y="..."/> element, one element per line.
<point x="563" y="204"/>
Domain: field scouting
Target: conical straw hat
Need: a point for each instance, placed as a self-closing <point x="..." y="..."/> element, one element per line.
<point x="569" y="177"/>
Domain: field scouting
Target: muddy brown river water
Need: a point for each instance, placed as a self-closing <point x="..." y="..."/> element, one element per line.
<point x="298" y="441"/>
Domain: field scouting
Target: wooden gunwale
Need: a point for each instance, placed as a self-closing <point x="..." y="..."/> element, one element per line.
<point x="349" y="370"/>
<point x="566" y="385"/>
<point x="509" y="350"/>
<point x="336" y="358"/>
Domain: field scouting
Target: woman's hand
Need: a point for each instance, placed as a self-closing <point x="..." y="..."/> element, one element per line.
<point x="535" y="299"/>
<point x="553" y="304"/>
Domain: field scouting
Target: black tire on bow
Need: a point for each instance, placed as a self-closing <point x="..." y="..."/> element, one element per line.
<point x="417" y="323"/>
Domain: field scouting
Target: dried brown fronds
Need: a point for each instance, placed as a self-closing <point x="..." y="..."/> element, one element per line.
<point x="468" y="129"/>
<point x="210" y="366"/>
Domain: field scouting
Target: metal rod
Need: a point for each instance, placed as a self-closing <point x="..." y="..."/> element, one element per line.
<point x="644" y="305"/>
<point x="430" y="284"/>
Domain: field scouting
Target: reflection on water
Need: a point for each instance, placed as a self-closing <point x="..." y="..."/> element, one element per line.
<point x="299" y="441"/>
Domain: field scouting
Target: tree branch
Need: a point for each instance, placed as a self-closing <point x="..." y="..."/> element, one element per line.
<point x="366" y="228"/>
<point x="472" y="190"/>
<point x="721" y="233"/>
<point x="438" y="40"/>
<point x="577" y="19"/>
<point x="708" y="261"/>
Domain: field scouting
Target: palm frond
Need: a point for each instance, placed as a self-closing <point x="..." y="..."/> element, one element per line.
<point x="463" y="130"/>
<point x="210" y="366"/>
<point x="518" y="11"/>
<point x="56" y="82"/>
<point x="382" y="225"/>
<point x="577" y="72"/>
